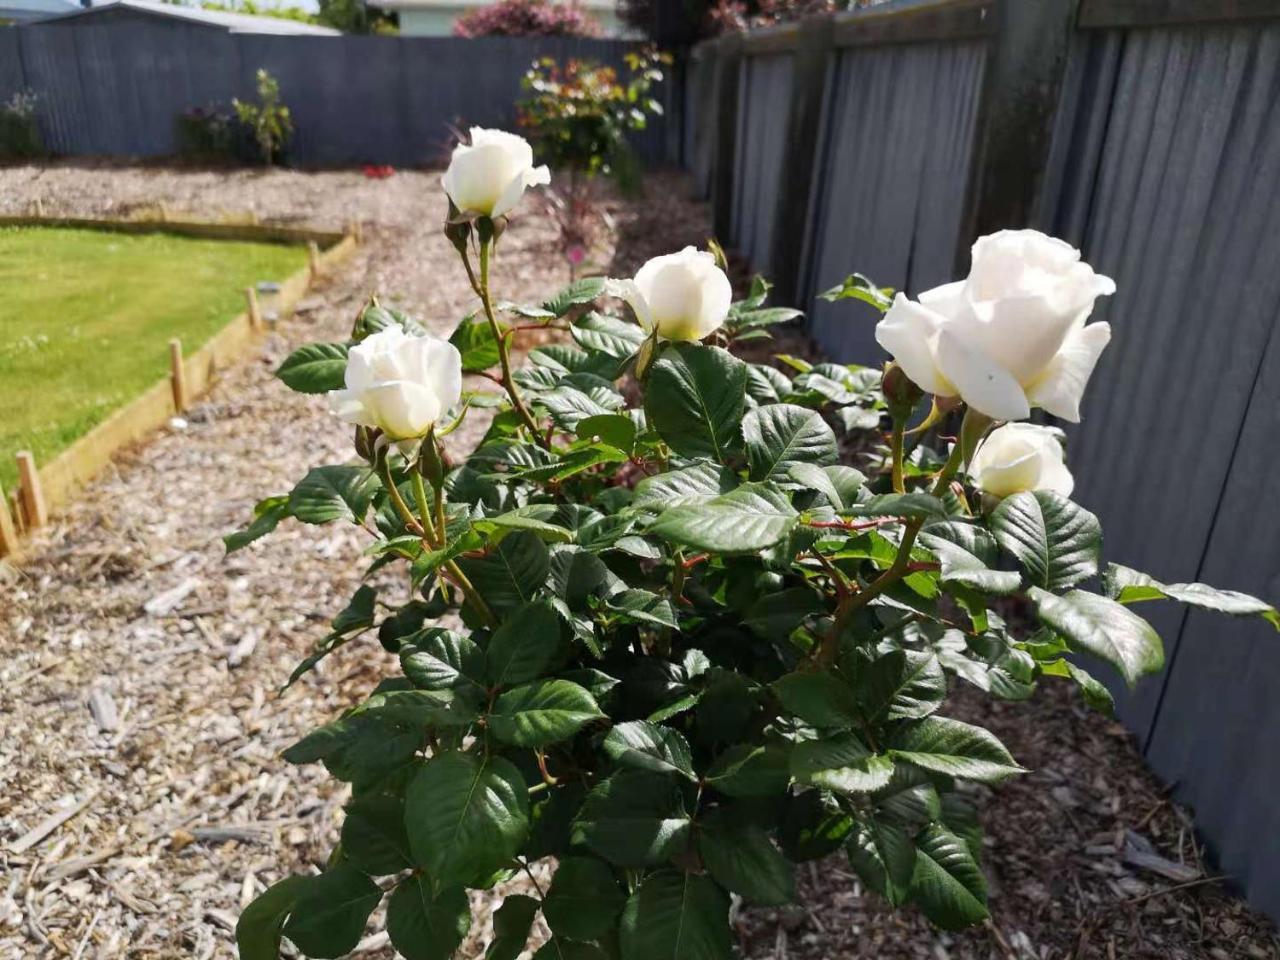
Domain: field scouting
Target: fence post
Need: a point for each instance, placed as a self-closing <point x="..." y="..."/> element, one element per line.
<point x="729" y="64"/>
<point x="34" y="510"/>
<point x="313" y="259"/>
<point x="255" y="311"/>
<point x="1020" y="91"/>
<point x="814" y="51"/>
<point x="177" y="375"/>
<point x="8" y="535"/>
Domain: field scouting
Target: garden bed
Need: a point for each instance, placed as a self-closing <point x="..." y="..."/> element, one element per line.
<point x="137" y="665"/>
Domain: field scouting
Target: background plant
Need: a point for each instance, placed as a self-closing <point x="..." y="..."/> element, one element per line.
<point x="207" y="134"/>
<point x="695" y="648"/>
<point x="19" y="127"/>
<point x="527" y="18"/>
<point x="268" y="119"/>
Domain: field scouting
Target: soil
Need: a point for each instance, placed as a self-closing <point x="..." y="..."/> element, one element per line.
<point x="162" y="730"/>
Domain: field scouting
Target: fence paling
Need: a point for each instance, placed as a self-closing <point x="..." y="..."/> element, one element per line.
<point x="8" y="533"/>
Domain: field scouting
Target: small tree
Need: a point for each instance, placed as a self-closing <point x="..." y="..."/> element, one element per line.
<point x="527" y="18"/>
<point x="268" y="120"/>
<point x="19" y="132"/>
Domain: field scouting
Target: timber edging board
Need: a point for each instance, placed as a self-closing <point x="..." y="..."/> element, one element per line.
<point x="75" y="466"/>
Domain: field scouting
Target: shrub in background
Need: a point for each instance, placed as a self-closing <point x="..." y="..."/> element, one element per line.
<point x="207" y="134"/>
<point x="19" y="129"/>
<point x="527" y="18"/>
<point x="686" y="646"/>
<point x="268" y="120"/>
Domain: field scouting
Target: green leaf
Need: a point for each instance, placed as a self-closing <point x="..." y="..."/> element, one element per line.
<point x="466" y="816"/>
<point x="775" y="615"/>
<point x="676" y="916"/>
<point x="841" y="763"/>
<point x="634" y="818"/>
<point x="614" y="429"/>
<point x="579" y="292"/>
<point x="584" y="899"/>
<point x="511" y="573"/>
<point x="608" y="335"/>
<point x="692" y="485"/>
<point x="333" y="493"/>
<point x="570" y="405"/>
<point x="437" y="659"/>
<point x="527" y="644"/>
<point x="373" y="836"/>
<point x="902" y="505"/>
<point x="967" y="553"/>
<point x="900" y="684"/>
<point x="817" y="697"/>
<point x="744" y="520"/>
<point x="780" y="436"/>
<point x="740" y="857"/>
<point x="315" y="368"/>
<point x="473" y="338"/>
<point x="424" y="925"/>
<point x="331" y="912"/>
<point x="837" y="483"/>
<point x="261" y="922"/>
<point x="511" y="925"/>
<point x="812" y="826"/>
<point x="559" y="949"/>
<point x="648" y="746"/>
<point x="695" y="398"/>
<point x="1126" y="585"/>
<point x="858" y="287"/>
<point x="1057" y="542"/>
<point x="948" y="883"/>
<point x="884" y="857"/>
<point x="266" y="517"/>
<point x="1102" y="627"/>
<point x="643" y="606"/>
<point x="953" y="748"/>
<point x="532" y="518"/>
<point x="750" y="770"/>
<point x="542" y="713"/>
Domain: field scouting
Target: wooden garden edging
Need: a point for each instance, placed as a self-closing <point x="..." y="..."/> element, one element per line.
<point x="53" y="485"/>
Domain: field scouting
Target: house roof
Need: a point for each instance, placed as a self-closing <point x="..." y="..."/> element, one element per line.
<point x="23" y="10"/>
<point x="234" y="22"/>
<point x="588" y="5"/>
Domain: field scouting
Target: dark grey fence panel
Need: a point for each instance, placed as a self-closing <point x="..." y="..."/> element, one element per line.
<point x="892" y="183"/>
<point x="701" y="98"/>
<point x="11" y="79"/>
<point x="763" y="114"/>
<point x="115" y="84"/>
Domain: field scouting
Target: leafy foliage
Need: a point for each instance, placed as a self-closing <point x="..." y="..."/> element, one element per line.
<point x="695" y="649"/>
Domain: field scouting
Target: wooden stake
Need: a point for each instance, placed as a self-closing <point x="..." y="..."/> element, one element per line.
<point x="177" y="375"/>
<point x="8" y="535"/>
<point x="255" y="312"/>
<point x="33" y="507"/>
<point x="313" y="258"/>
<point x="39" y="207"/>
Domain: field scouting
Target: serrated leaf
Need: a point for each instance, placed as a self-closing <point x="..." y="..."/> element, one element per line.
<point x="900" y="684"/>
<point x="647" y="746"/>
<point x="511" y="573"/>
<point x="902" y="505"/>
<point x="948" y="883"/>
<point x="331" y="912"/>
<point x="373" y="836"/>
<point x="1100" y="626"/>
<point x="841" y="763"/>
<point x="584" y="899"/>
<point x="691" y="485"/>
<point x="533" y="518"/>
<point x="615" y="429"/>
<point x="744" y="520"/>
<point x="333" y="493"/>
<point x="695" y="399"/>
<point x="266" y="517"/>
<point x="779" y="436"/>
<point x="542" y="713"/>
<point x="608" y="335"/>
<point x="526" y="646"/>
<point x="633" y="818"/>
<point x="884" y="857"/>
<point x="953" y="748"/>
<point x="1057" y="542"/>
<point x="676" y="916"/>
<point x="425" y="925"/>
<point x="740" y="857"/>
<point x="578" y="292"/>
<point x="643" y="606"/>
<point x="437" y="659"/>
<point x="466" y="816"/>
<point x="750" y="770"/>
<point x="315" y="368"/>
<point x="966" y="553"/>
<point x="511" y="925"/>
<point x="1126" y="585"/>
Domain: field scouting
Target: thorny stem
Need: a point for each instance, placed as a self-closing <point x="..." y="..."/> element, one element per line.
<point x="895" y="446"/>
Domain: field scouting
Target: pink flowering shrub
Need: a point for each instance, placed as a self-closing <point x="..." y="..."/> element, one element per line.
<point x="527" y="18"/>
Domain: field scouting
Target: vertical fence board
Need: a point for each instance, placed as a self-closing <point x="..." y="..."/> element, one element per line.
<point x="763" y="115"/>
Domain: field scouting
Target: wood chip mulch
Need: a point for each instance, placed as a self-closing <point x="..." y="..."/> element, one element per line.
<point x="142" y="798"/>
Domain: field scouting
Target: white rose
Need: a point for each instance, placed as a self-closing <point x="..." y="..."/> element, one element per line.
<point x="1010" y="337"/>
<point x="489" y="175"/>
<point x="399" y="383"/>
<point x="684" y="296"/>
<point x="1018" y="457"/>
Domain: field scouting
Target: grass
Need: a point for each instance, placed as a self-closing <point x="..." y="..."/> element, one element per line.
<point x="86" y="317"/>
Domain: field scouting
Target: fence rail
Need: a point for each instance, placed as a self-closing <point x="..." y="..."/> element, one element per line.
<point x="1146" y="132"/>
<point x="116" y="84"/>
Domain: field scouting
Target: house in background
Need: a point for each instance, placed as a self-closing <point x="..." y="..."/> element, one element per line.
<point x="24" y="11"/>
<point x="114" y="11"/>
<point x="434" y="18"/>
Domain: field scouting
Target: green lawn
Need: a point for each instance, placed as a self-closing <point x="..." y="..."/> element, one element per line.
<point x="86" y="318"/>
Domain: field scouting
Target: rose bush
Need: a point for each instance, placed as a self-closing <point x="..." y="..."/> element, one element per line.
<point x="677" y="644"/>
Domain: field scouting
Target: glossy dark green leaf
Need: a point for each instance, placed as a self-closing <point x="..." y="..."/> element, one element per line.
<point x="575" y="294"/>
<point x="841" y="763"/>
<point x="744" y="520"/>
<point x="437" y="659"/>
<point x="676" y="916"/>
<point x="740" y="857"/>
<point x="1057" y="542"/>
<point x="634" y="818"/>
<point x="473" y="338"/>
<point x="466" y="816"/>
<point x="948" y="883"/>
<point x="425" y="925"/>
<point x="511" y="573"/>
<point x="812" y="826"/>
<point x="315" y="368"/>
<point x="333" y="493"/>
<point x="1126" y="585"/>
<point x="647" y="746"/>
<point x="697" y="484"/>
<point x="695" y="399"/>
<point x="527" y="645"/>
<point x="331" y="912"/>
<point x="261" y="922"/>
<point x="542" y="713"/>
<point x="884" y="857"/>
<point x="900" y="684"/>
<point x="584" y="899"/>
<point x="775" y="615"/>
<point x="1100" y="626"/>
<point x="642" y="606"/>
<point x="608" y="335"/>
<point x="512" y="923"/>
<point x="373" y="835"/>
<point x="780" y="435"/>
<point x="817" y="697"/>
<point x="750" y="770"/>
<point x="266" y="517"/>
<point x="967" y="554"/>
<point x="953" y="748"/>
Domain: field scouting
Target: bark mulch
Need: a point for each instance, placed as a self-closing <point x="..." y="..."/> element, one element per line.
<point x="139" y="666"/>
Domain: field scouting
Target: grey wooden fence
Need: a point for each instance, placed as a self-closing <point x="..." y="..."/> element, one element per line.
<point x="114" y="84"/>
<point x="1148" y="134"/>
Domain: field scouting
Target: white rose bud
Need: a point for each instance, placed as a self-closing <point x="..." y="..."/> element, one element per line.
<point x="684" y="296"/>
<point x="1010" y="337"/>
<point x="1018" y="457"/>
<point x="399" y="383"/>
<point x="489" y="175"/>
